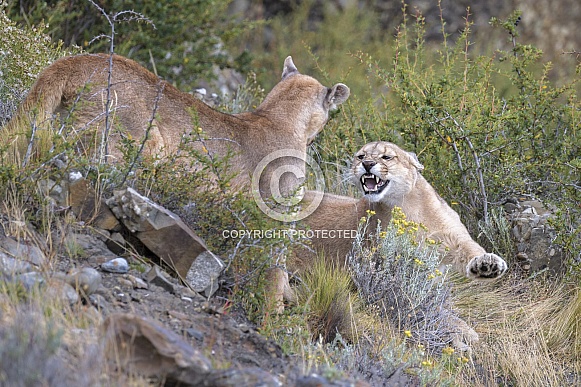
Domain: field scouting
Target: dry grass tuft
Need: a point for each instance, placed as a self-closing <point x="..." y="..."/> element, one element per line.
<point x="326" y="292"/>
<point x="527" y="333"/>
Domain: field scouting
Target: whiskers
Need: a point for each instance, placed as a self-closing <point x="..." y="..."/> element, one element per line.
<point x="338" y="175"/>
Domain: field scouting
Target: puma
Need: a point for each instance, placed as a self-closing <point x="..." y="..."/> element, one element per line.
<point x="159" y="117"/>
<point x="388" y="176"/>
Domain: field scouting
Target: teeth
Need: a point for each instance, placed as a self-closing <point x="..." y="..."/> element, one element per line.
<point x="378" y="183"/>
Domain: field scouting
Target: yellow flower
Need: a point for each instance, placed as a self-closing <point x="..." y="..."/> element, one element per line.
<point x="370" y="212"/>
<point x="431" y="276"/>
<point x="448" y="350"/>
<point x="419" y="262"/>
<point x="427" y="363"/>
<point x="438" y="272"/>
<point x="383" y="234"/>
<point x="408" y="333"/>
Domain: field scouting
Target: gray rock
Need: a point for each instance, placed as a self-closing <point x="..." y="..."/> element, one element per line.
<point x="251" y="376"/>
<point x="534" y="238"/>
<point x="61" y="290"/>
<point x="137" y="283"/>
<point x="116" y="243"/>
<point x="139" y="345"/>
<point x="53" y="190"/>
<point x="30" y="280"/>
<point x="90" y="247"/>
<point x="22" y="250"/>
<point x="117" y="265"/>
<point x="160" y="230"/>
<point x="86" y="280"/>
<point x="156" y="277"/>
<point x="204" y="272"/>
<point x="12" y="266"/>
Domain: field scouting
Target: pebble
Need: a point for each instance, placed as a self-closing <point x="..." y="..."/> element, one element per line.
<point x="61" y="290"/>
<point x="137" y="283"/>
<point x="117" y="265"/>
<point x="86" y="280"/>
<point x="125" y="283"/>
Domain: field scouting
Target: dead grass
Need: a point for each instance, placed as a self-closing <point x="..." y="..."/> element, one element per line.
<point x="526" y="335"/>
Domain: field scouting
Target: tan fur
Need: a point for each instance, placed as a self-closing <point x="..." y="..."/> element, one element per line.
<point x="290" y="116"/>
<point x="410" y="191"/>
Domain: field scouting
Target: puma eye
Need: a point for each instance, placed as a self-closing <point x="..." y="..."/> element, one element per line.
<point x="386" y="157"/>
<point x="360" y="157"/>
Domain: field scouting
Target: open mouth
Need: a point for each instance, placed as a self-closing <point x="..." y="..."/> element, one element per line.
<point x="372" y="184"/>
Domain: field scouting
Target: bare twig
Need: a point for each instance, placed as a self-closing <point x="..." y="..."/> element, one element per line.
<point x="123" y="16"/>
<point x="150" y="125"/>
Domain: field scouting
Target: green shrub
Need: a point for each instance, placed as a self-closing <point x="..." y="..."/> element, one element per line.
<point x="487" y="128"/>
<point x="182" y="41"/>
<point x="397" y="274"/>
<point x="23" y="53"/>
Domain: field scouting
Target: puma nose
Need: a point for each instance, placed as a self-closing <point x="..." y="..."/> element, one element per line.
<point x="368" y="164"/>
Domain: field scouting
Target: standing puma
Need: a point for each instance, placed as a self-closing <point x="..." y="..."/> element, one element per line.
<point x="159" y="116"/>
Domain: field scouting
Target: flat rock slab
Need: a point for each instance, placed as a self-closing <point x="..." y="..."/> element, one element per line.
<point x="88" y="206"/>
<point x="21" y="250"/>
<point x="168" y="237"/>
<point x="137" y="344"/>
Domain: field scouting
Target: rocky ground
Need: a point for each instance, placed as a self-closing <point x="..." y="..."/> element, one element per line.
<point x="175" y="335"/>
<point x="151" y="323"/>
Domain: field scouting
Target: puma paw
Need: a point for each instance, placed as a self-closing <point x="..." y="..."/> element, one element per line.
<point x="462" y="335"/>
<point x="486" y="266"/>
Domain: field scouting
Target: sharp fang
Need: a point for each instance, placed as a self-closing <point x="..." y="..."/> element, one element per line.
<point x="376" y="180"/>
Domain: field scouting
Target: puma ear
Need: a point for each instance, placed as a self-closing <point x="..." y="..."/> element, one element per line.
<point x="415" y="161"/>
<point x="337" y="95"/>
<point x="289" y="67"/>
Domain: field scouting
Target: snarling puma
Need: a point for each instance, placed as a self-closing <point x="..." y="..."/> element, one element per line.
<point x="389" y="176"/>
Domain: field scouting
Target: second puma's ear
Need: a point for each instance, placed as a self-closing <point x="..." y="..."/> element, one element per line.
<point x="337" y="95"/>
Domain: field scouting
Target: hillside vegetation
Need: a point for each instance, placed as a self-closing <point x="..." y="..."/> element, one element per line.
<point x="488" y="127"/>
